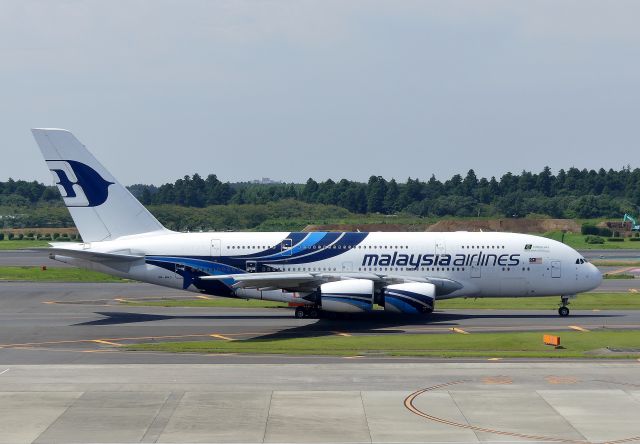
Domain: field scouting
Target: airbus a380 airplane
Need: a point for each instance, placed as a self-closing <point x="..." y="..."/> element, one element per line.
<point x="322" y="271"/>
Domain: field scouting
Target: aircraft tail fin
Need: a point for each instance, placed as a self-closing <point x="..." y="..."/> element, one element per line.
<point x="101" y="208"/>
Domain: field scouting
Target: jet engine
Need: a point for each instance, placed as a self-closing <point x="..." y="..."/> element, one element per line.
<point x="348" y="296"/>
<point x="410" y="298"/>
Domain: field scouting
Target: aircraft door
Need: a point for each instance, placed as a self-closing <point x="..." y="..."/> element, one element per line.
<point x="556" y="269"/>
<point x="475" y="271"/>
<point x="216" y="249"/>
<point x="347" y="266"/>
<point x="440" y="247"/>
<point x="251" y="266"/>
<point x="285" y="247"/>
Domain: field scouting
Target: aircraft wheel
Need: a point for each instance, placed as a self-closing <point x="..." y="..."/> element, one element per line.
<point x="563" y="311"/>
<point x="300" y="312"/>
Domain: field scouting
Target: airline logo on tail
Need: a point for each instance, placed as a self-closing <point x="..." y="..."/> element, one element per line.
<point x="79" y="184"/>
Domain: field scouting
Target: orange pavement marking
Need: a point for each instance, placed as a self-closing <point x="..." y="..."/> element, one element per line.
<point x="561" y="379"/>
<point x="339" y="333"/>
<point x="459" y="330"/>
<point x="497" y="380"/>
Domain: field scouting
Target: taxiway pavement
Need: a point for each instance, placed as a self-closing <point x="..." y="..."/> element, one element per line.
<point x="81" y="322"/>
<point x="348" y="403"/>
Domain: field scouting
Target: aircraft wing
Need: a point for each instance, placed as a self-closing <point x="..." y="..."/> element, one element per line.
<point x="291" y="281"/>
<point x="305" y="281"/>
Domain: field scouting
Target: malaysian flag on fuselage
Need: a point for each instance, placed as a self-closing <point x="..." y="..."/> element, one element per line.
<point x="535" y="260"/>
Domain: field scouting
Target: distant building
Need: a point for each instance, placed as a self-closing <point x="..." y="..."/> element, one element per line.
<point x="265" y="181"/>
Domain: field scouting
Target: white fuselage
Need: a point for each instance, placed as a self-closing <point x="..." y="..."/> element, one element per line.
<point x="481" y="264"/>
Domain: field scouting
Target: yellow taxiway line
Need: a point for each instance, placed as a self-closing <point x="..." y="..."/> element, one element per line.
<point x="578" y="328"/>
<point x="100" y="341"/>
<point x="226" y="338"/>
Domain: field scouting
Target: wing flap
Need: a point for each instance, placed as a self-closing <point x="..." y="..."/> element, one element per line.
<point x="311" y="281"/>
<point x="271" y="280"/>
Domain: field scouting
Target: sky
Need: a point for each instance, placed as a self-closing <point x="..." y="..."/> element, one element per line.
<point x="335" y="89"/>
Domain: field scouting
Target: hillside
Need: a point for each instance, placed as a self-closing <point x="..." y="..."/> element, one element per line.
<point x="508" y="225"/>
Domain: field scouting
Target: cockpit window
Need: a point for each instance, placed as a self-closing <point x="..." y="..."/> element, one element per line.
<point x="580" y="261"/>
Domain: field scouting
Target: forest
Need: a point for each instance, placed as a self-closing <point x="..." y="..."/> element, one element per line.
<point x="568" y="194"/>
<point x="573" y="193"/>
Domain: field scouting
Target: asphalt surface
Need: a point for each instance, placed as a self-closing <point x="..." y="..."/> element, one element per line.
<point x="82" y="322"/>
<point x="611" y="255"/>
<point x="28" y="258"/>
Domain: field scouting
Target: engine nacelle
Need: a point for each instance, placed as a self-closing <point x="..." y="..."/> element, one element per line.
<point x="348" y="296"/>
<point x="410" y="298"/>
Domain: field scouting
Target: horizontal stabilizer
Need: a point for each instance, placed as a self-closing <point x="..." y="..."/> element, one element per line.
<point x="93" y="256"/>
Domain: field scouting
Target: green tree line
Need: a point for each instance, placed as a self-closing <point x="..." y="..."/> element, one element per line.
<point x="573" y="193"/>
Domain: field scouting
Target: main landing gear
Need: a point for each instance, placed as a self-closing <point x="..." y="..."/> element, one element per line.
<point x="564" y="310"/>
<point x="307" y="312"/>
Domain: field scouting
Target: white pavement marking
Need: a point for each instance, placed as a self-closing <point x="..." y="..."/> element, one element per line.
<point x="4" y="371"/>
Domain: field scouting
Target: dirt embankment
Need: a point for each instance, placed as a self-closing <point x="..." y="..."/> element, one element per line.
<point x="509" y="225"/>
<point x="367" y="227"/>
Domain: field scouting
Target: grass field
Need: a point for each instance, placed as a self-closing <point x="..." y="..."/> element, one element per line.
<point x="618" y="276"/>
<point x="606" y="263"/>
<point x="54" y="275"/>
<point x="524" y="345"/>
<point x="22" y="244"/>
<point x="576" y="240"/>
<point x="585" y="301"/>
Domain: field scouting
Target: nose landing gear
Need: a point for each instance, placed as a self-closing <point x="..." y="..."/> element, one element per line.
<point x="564" y="310"/>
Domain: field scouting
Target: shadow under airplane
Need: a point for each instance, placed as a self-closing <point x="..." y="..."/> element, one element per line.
<point x="371" y="323"/>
